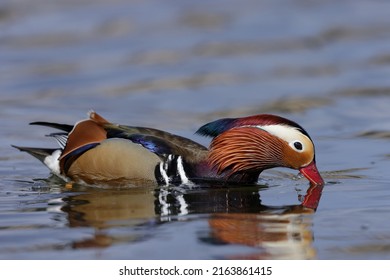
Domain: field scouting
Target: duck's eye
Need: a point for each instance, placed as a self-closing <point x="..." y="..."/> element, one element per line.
<point x="298" y="145"/>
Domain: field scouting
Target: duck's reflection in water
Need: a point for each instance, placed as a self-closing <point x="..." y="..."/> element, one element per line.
<point x="235" y="216"/>
<point x="283" y="236"/>
<point x="104" y="209"/>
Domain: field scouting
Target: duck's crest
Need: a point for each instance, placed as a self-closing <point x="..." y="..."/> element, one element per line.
<point x="217" y="127"/>
<point x="213" y="129"/>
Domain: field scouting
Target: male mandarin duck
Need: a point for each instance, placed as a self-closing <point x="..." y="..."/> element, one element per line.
<point x="95" y="151"/>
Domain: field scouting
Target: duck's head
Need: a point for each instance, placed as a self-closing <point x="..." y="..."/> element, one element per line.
<point x="253" y="144"/>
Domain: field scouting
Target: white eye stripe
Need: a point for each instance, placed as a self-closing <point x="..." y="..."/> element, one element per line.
<point x="289" y="134"/>
<point x="284" y="132"/>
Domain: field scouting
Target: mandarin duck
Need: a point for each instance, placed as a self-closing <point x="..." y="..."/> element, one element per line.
<point x="96" y="151"/>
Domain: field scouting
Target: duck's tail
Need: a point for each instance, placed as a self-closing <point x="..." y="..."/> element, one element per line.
<point x="39" y="153"/>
